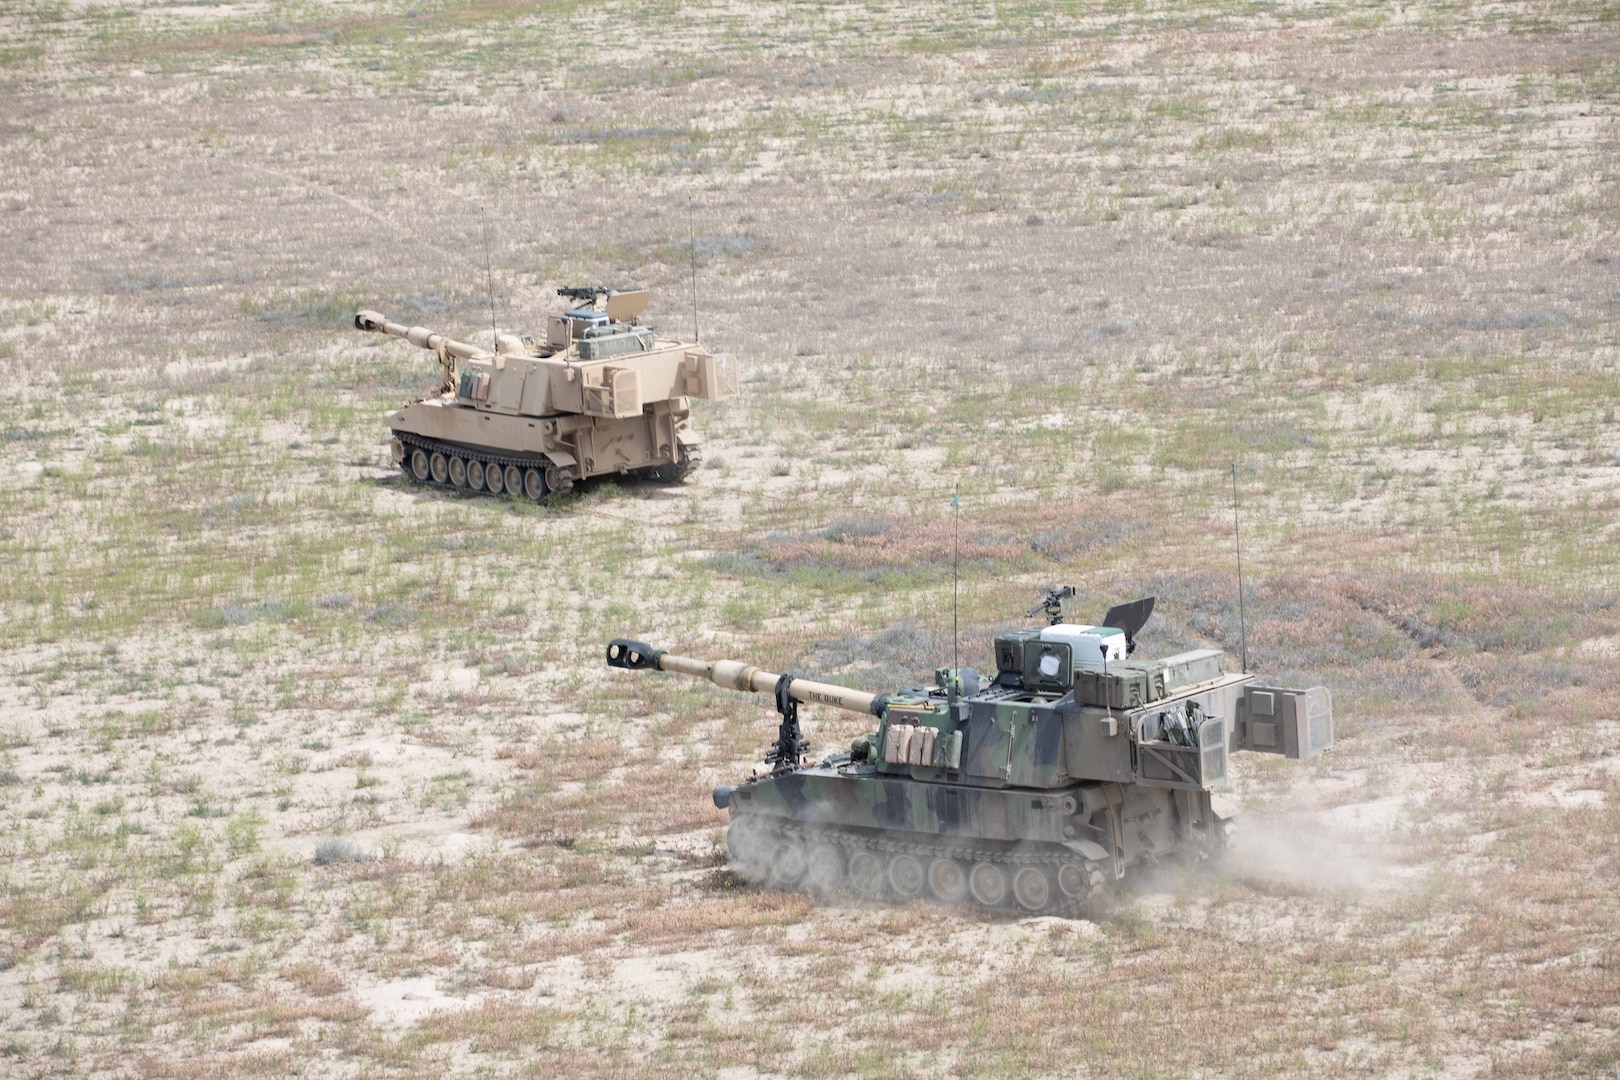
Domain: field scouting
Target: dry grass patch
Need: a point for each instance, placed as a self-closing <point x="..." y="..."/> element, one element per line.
<point x="497" y="1028"/>
<point x="695" y="921"/>
<point x="1074" y="263"/>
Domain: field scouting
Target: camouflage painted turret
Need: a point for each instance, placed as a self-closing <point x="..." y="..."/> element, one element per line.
<point x="1072" y="765"/>
<point x="601" y="395"/>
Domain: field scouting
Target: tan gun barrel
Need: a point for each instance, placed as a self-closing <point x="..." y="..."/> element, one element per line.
<point x="420" y="336"/>
<point x="736" y="675"/>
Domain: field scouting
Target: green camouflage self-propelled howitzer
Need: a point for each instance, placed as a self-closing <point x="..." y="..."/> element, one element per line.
<point x="1072" y="765"/>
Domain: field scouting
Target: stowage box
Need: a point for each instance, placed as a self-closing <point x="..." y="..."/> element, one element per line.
<point x="1294" y="723"/>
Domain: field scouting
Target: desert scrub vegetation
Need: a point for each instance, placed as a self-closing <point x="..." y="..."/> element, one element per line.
<point x="303" y="769"/>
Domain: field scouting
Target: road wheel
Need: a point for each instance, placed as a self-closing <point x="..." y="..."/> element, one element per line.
<point x="514" y="479"/>
<point x="419" y="464"/>
<point x="439" y="468"/>
<point x="559" y="479"/>
<point x="824" y="868"/>
<point x="947" y="880"/>
<point x="787" y="864"/>
<point x="534" y="485"/>
<point x="988" y="884"/>
<point x="905" y="875"/>
<point x="866" y="873"/>
<point x="458" y="472"/>
<point x="1032" y="889"/>
<point x="475" y="475"/>
<point x="492" y="479"/>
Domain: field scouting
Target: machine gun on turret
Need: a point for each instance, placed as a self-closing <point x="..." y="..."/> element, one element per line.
<point x="1055" y="604"/>
<point x="622" y="305"/>
<point x="1127" y="618"/>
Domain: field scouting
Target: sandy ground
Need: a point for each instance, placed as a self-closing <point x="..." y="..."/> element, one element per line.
<point x="305" y="770"/>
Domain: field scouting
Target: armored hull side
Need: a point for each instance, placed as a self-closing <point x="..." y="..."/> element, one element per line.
<point x="431" y="437"/>
<point x="847" y="828"/>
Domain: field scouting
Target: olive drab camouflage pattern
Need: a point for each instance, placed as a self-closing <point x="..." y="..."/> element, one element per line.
<point x="1032" y="789"/>
<point x="602" y="394"/>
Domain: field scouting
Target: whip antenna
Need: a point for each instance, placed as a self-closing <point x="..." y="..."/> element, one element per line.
<point x="489" y="285"/>
<point x="691" y="256"/>
<point x="1237" y="542"/>
<point x="956" y="533"/>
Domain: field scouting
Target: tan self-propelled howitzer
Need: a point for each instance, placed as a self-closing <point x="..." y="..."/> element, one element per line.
<point x="602" y="395"/>
<point x="1074" y="764"/>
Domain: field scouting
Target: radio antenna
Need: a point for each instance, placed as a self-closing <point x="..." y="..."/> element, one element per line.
<point x="1237" y="542"/>
<point x="956" y="533"/>
<point x="489" y="285"/>
<point x="691" y="255"/>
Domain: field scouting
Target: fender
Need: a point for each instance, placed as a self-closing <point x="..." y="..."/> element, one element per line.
<point x="1089" y="848"/>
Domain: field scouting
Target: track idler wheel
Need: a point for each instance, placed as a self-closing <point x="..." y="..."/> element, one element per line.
<point x="1077" y="881"/>
<point x="1032" y="889"/>
<point x="687" y="460"/>
<point x="691" y="459"/>
<point x="559" y="479"/>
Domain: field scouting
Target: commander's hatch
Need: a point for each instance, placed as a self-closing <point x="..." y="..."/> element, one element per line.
<point x="627" y="306"/>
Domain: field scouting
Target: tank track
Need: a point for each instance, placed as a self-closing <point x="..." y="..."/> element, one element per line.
<point x="557" y="479"/>
<point x="691" y="459"/>
<point x="762" y="850"/>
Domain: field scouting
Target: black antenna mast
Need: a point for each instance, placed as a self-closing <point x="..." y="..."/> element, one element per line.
<point x="691" y="255"/>
<point x="956" y="533"/>
<point x="489" y="285"/>
<point x="1237" y="542"/>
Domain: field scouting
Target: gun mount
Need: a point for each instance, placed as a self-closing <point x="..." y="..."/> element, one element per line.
<point x="1053" y="605"/>
<point x="1034" y="790"/>
<point x="602" y="394"/>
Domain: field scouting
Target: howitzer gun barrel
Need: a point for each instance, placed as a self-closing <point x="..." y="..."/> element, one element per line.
<point x="736" y="675"/>
<point x="420" y="336"/>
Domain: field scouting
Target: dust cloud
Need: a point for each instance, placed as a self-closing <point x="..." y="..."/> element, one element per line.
<point x="1317" y="857"/>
